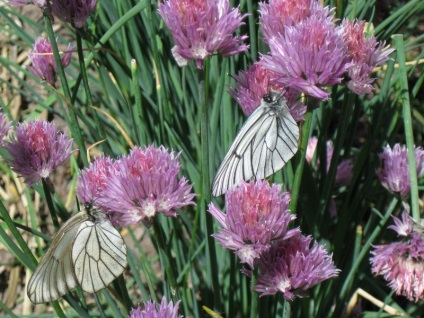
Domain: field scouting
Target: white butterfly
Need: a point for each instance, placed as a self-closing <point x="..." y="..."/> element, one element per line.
<point x="264" y="144"/>
<point x="87" y="251"/>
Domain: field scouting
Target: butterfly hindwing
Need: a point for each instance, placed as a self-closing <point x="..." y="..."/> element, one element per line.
<point x="278" y="146"/>
<point x="99" y="255"/>
<point x="54" y="275"/>
<point x="264" y="144"/>
<point x="87" y="251"/>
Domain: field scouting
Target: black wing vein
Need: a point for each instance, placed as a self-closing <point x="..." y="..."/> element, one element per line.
<point x="265" y="143"/>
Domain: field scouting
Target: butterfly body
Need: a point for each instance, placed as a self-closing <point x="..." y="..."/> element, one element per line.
<point x="264" y="144"/>
<point x="87" y="251"/>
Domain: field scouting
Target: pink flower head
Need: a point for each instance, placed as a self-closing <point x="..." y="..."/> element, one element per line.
<point x="394" y="173"/>
<point x="278" y="14"/>
<point x="43" y="63"/>
<point x="73" y="11"/>
<point x="257" y="214"/>
<point x="40" y="3"/>
<point x="253" y="84"/>
<point x="4" y="127"/>
<point x="92" y="180"/>
<point x="292" y="266"/>
<point x="154" y="310"/>
<point x="309" y="56"/>
<point x="37" y="149"/>
<point x="202" y="27"/>
<point x="365" y="54"/>
<point x="403" y="227"/>
<point x="402" y="263"/>
<point x="146" y="182"/>
<point x="344" y="169"/>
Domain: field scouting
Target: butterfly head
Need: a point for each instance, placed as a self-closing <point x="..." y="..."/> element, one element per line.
<point x="88" y="206"/>
<point x="274" y="100"/>
<point x="273" y="97"/>
<point x="94" y="211"/>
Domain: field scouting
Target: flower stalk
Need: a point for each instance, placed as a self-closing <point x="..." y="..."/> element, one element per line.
<point x="409" y="135"/>
<point x="72" y="119"/>
<point x="302" y="158"/>
<point x="206" y="183"/>
<point x="254" y="296"/>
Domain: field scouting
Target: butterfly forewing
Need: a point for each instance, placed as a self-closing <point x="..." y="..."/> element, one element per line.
<point x="54" y="275"/>
<point x="87" y="251"/>
<point x="264" y="144"/>
<point x="236" y="167"/>
<point x="99" y="255"/>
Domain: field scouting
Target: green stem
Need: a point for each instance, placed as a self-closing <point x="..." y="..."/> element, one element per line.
<point x="83" y="70"/>
<point x="252" y="31"/>
<point x="286" y="308"/>
<point x="407" y="120"/>
<point x="7" y="310"/>
<point x="340" y="138"/>
<point x="124" y="293"/>
<point x="254" y="295"/>
<point x="133" y="12"/>
<point x="87" y="86"/>
<point x="144" y="264"/>
<point x="157" y="65"/>
<point x="27" y="229"/>
<point x="56" y="55"/>
<point x="74" y="126"/>
<point x="99" y="305"/>
<point x="299" y="170"/>
<point x="137" y="109"/>
<point x="365" y="250"/>
<point x="148" y="279"/>
<point x="165" y="258"/>
<point x="23" y="253"/>
<point x="58" y="310"/>
<point x="49" y="199"/>
<point x="206" y="184"/>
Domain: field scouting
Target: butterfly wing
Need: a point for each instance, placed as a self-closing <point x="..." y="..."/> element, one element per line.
<point x="274" y="147"/>
<point x="263" y="146"/>
<point x="54" y="275"/>
<point x="99" y="255"/>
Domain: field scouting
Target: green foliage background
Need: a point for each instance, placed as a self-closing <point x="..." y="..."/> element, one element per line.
<point x="132" y="76"/>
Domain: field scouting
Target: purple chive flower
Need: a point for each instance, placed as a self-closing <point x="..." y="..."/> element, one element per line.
<point x="402" y="263"/>
<point x="253" y="84"/>
<point x="5" y="125"/>
<point x="37" y="148"/>
<point x="43" y="63"/>
<point x="92" y="180"/>
<point x="277" y="14"/>
<point x="309" y="56"/>
<point x="404" y="227"/>
<point x="153" y="310"/>
<point x="394" y="173"/>
<point x="146" y="183"/>
<point x="201" y="28"/>
<point x="344" y="169"/>
<point x="73" y="11"/>
<point x="292" y="266"/>
<point x="365" y="53"/>
<point x="257" y="214"/>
